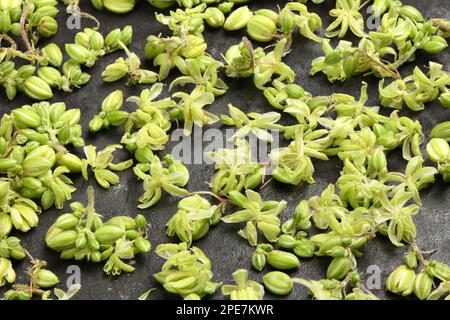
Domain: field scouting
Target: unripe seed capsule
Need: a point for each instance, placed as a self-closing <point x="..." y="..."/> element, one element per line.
<point x="46" y="279"/>
<point x="278" y="283"/>
<point x="238" y="19"/>
<point x="282" y="260"/>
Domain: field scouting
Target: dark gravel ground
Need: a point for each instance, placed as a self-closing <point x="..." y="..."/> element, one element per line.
<point x="225" y="248"/>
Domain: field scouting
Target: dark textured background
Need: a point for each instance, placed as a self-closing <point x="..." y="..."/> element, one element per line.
<point x="225" y="248"/>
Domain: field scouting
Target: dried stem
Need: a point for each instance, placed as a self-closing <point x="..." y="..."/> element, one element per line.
<point x="441" y="24"/>
<point x="74" y="9"/>
<point x="23" y="32"/>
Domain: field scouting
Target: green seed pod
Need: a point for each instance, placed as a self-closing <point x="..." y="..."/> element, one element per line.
<point x="92" y="243"/>
<point x="339" y="268"/>
<point x="144" y="155"/>
<point x="58" y="113"/>
<point x="96" y="124"/>
<point x="214" y="17"/>
<point x="97" y="4"/>
<point x="17" y="253"/>
<point x="351" y="65"/>
<point x="261" y="28"/>
<point x="31" y="145"/>
<point x="5" y="224"/>
<point x="108" y="234"/>
<point x="304" y="248"/>
<point x="81" y="241"/>
<point x="295" y="91"/>
<point x="237" y="198"/>
<point x="119" y="6"/>
<point x="96" y="41"/>
<point x="47" y="199"/>
<point x="423" y="284"/>
<point x="38" y="89"/>
<point x="378" y="162"/>
<point x="97" y="223"/>
<point x="161" y="4"/>
<point x="271" y="14"/>
<point x="287" y="22"/>
<point x="439" y="270"/>
<point x="333" y="57"/>
<point x="200" y="229"/>
<point x="317" y="102"/>
<point x="15" y="13"/>
<point x="436" y="44"/>
<point x="45" y="279"/>
<point x="259" y="260"/>
<point x="409" y="12"/>
<point x="282" y="175"/>
<point x="115" y="71"/>
<point x="113" y="101"/>
<point x="142" y="245"/>
<point x="26" y="71"/>
<point x="77" y="53"/>
<point x="195" y="47"/>
<point x="68" y="253"/>
<point x="42" y="3"/>
<point x="359" y="242"/>
<point x="50" y="75"/>
<point x="70" y="161"/>
<point x="77" y="207"/>
<point x="82" y="39"/>
<point x="4" y="189"/>
<point x="7" y="67"/>
<point x="112" y="39"/>
<point x="12" y="242"/>
<point x="278" y="283"/>
<point x="288" y="227"/>
<point x="43" y="11"/>
<point x="444" y="98"/>
<point x="346" y="242"/>
<point x="132" y="234"/>
<point x="3" y="145"/>
<point x="47" y="27"/>
<point x="411" y="260"/>
<point x="153" y="48"/>
<point x="379" y="7"/>
<point x="401" y="281"/>
<point x="302" y="212"/>
<point x="95" y="256"/>
<point x="269" y="205"/>
<point x="5" y="21"/>
<point x="39" y="161"/>
<point x="238" y="19"/>
<point x="141" y="221"/>
<point x="117" y="118"/>
<point x="126" y="35"/>
<point x="7" y="164"/>
<point x="438" y="150"/>
<point x="26" y="118"/>
<point x="226" y="6"/>
<point x="122" y="222"/>
<point x="11" y="91"/>
<point x="338" y="252"/>
<point x="66" y="221"/>
<point x="282" y="260"/>
<point x="63" y="240"/>
<point x="18" y="154"/>
<point x="287" y="241"/>
<point x="355" y="279"/>
<point x="81" y="254"/>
